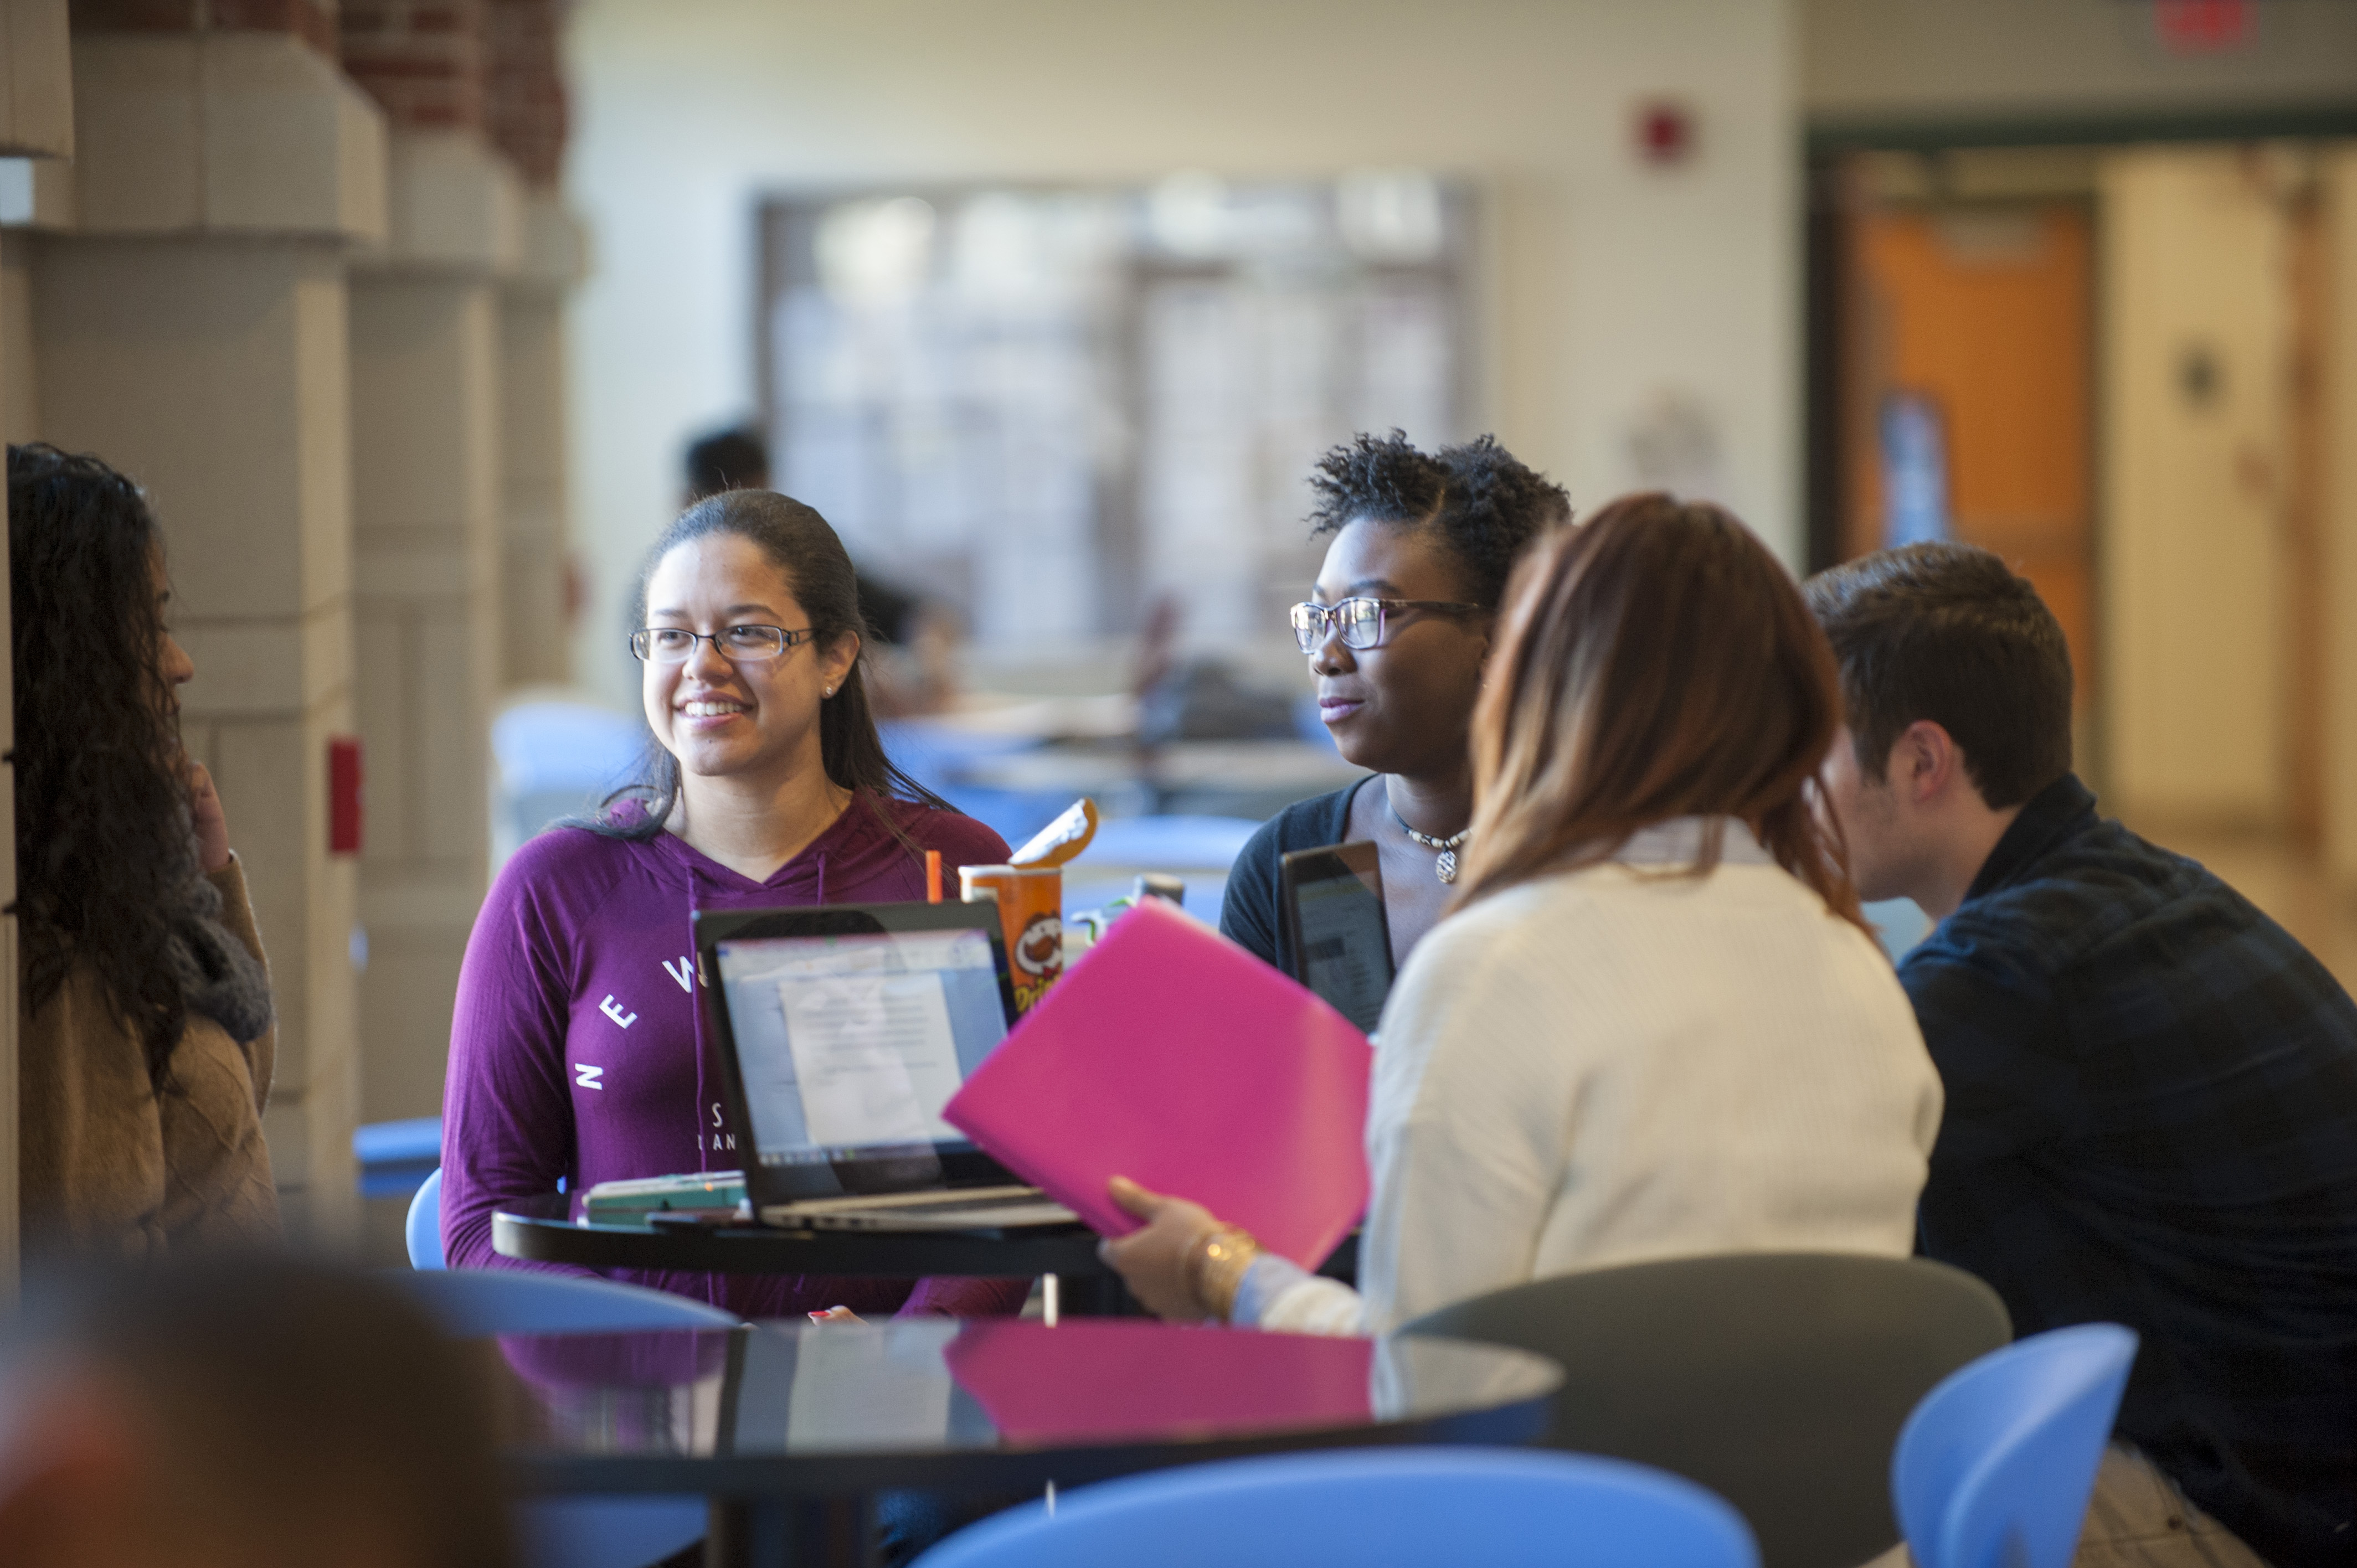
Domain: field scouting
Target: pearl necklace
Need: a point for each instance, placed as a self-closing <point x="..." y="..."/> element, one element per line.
<point x="1445" y="866"/>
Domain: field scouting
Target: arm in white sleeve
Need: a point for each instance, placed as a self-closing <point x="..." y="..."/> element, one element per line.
<point x="1466" y="1125"/>
<point x="1281" y="1296"/>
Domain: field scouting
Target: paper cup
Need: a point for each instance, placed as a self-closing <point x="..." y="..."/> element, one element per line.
<point x="1031" y="912"/>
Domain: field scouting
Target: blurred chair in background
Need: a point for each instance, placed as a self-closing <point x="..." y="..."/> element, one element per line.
<point x="1781" y="1380"/>
<point x="254" y="1411"/>
<point x="552" y="758"/>
<point x="1398" y="1508"/>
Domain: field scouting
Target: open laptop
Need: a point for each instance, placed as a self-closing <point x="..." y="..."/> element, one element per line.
<point x="844" y="1030"/>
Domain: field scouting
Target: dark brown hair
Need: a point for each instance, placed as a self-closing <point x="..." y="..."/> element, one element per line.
<point x="798" y="542"/>
<point x="1948" y="633"/>
<point x="104" y="842"/>
<point x="1655" y="661"/>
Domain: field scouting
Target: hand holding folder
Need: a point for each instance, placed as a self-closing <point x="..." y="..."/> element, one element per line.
<point x="1171" y="1056"/>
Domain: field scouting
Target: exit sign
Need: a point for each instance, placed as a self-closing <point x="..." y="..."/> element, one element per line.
<point x="2205" y="27"/>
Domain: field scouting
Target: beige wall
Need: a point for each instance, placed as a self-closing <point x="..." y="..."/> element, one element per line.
<point x="1902" y="60"/>
<point x="1607" y="286"/>
<point x="2195" y="259"/>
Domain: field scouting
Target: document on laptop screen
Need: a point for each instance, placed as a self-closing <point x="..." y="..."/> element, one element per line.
<point x="848" y="1042"/>
<point x="874" y="1055"/>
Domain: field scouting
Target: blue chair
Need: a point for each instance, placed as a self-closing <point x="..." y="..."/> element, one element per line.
<point x="395" y="1156"/>
<point x="554" y="757"/>
<point x="571" y="1532"/>
<point x="424" y="1227"/>
<point x="1997" y="1464"/>
<point x="1394" y="1508"/>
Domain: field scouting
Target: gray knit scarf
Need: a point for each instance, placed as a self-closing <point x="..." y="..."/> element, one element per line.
<point x="218" y="977"/>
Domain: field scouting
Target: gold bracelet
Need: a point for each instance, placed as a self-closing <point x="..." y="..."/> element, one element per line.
<point x="1215" y="1267"/>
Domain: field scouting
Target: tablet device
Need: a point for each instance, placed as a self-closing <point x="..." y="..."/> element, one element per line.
<point x="1333" y="900"/>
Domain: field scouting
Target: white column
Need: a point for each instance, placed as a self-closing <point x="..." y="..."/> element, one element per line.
<point x="36" y="121"/>
<point x="425" y="408"/>
<point x="192" y="333"/>
<point x="536" y="640"/>
<point x="2339" y="361"/>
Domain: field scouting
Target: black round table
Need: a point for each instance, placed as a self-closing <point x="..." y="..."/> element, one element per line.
<point x="544" y="1233"/>
<point x="791" y="1428"/>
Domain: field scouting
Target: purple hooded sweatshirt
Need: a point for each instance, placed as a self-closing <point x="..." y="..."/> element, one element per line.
<point x="573" y="1052"/>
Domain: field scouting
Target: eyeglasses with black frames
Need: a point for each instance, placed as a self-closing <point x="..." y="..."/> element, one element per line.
<point x="737" y="644"/>
<point x="1360" y="623"/>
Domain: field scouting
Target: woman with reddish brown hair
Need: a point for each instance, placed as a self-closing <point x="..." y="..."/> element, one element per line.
<point x="1654" y="1025"/>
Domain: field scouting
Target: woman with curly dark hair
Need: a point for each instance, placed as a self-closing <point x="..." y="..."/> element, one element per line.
<point x="1396" y="630"/>
<point x="145" y="1036"/>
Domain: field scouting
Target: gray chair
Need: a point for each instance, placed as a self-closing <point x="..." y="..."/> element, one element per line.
<point x="1780" y="1380"/>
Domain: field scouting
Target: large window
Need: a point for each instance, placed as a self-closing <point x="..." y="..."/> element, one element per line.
<point x="1053" y="408"/>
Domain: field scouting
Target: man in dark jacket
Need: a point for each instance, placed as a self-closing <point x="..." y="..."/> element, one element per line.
<point x="2151" y="1088"/>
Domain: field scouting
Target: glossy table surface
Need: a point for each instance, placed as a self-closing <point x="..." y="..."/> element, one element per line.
<point x="788" y="1410"/>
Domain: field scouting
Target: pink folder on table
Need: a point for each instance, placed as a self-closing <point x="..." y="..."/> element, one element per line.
<point x="1172" y="1057"/>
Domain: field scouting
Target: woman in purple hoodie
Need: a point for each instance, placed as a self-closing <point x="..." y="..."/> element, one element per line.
<point x="574" y="1053"/>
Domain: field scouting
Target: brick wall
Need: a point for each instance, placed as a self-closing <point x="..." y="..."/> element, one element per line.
<point x="526" y="98"/>
<point x="425" y="61"/>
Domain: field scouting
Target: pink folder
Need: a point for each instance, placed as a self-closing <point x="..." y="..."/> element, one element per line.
<point x="1172" y="1057"/>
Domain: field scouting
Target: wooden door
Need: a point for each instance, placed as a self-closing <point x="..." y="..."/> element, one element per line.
<point x="1985" y="312"/>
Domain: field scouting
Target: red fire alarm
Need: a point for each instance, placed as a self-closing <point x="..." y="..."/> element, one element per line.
<point x="343" y="794"/>
<point x="1665" y="132"/>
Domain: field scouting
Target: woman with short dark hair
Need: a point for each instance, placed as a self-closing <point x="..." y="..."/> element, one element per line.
<point x="145" y="1037"/>
<point x="1656" y="1024"/>
<point x="1396" y="630"/>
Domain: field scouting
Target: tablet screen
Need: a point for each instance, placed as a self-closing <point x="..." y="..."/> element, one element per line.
<point x="1341" y="938"/>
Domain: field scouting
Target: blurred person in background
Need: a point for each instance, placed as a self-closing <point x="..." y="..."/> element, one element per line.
<point x="1397" y="629"/>
<point x="242" y="1413"/>
<point x="575" y="1052"/>
<point x="145" y="1033"/>
<point x="1656" y="1026"/>
<point x="912" y="641"/>
<point x="2152" y="1086"/>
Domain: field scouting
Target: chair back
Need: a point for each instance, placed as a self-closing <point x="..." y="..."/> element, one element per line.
<point x="1995" y="1465"/>
<point x="1392" y="1508"/>
<point x="473" y="1302"/>
<point x="1780" y="1380"/>
<point x="424" y="1227"/>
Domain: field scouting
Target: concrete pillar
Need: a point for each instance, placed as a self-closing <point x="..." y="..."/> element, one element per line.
<point x="36" y="121"/>
<point x="534" y="574"/>
<point x="524" y="113"/>
<point x="425" y="346"/>
<point x="191" y="331"/>
<point x="2338" y="364"/>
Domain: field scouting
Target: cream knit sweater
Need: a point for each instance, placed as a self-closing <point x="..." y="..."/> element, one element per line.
<point x="1622" y="1063"/>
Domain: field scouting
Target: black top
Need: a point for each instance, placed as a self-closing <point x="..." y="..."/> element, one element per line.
<point x="1251" y="915"/>
<point x="2152" y="1120"/>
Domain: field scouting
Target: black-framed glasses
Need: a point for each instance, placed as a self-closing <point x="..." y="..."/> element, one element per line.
<point x="737" y="644"/>
<point x="1360" y="623"/>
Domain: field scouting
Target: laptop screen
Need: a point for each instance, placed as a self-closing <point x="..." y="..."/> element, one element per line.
<point x="851" y="1045"/>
